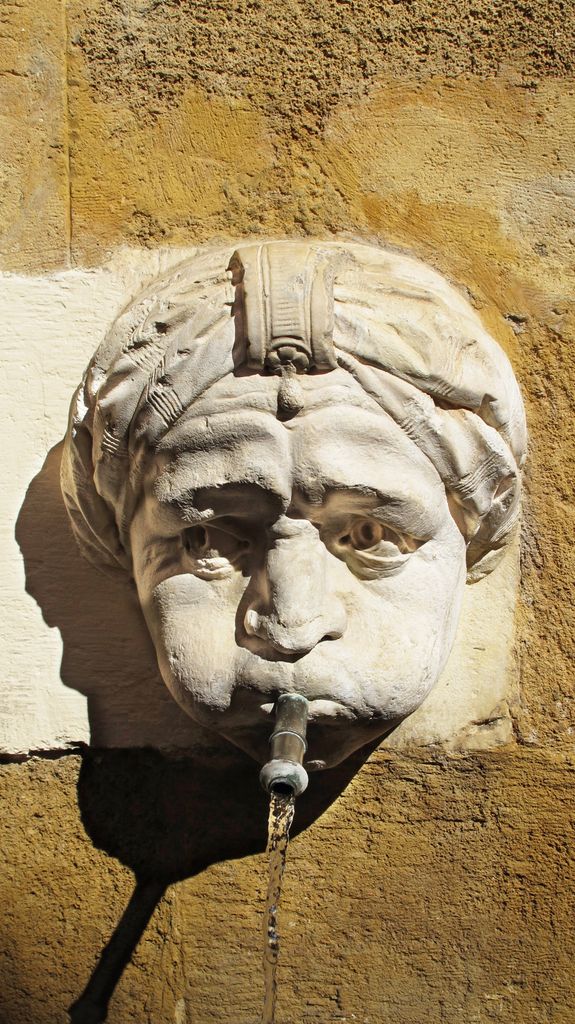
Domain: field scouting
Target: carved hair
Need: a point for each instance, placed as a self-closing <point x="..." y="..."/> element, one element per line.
<point x="408" y="338"/>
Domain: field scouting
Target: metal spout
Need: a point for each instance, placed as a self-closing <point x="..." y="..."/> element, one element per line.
<point x="284" y="773"/>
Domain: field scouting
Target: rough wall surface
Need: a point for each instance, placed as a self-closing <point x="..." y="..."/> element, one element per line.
<point x="437" y="887"/>
<point x="434" y="889"/>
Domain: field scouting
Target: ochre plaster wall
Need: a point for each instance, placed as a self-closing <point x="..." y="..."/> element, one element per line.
<point x="438" y="887"/>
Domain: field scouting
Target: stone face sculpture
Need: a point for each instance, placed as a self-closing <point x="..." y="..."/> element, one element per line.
<point x="298" y="450"/>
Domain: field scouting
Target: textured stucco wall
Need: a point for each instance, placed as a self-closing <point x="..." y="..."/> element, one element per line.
<point x="439" y="885"/>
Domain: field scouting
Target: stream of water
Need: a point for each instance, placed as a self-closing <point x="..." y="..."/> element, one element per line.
<point x="281" y="816"/>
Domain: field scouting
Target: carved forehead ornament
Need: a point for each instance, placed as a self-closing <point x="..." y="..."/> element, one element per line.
<point x="402" y="333"/>
<point x="284" y="311"/>
<point x="285" y="298"/>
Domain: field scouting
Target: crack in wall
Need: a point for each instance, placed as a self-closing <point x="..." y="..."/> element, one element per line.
<point x="66" y="129"/>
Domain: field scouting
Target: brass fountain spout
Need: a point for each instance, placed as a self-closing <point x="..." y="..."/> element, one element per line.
<point x="284" y="773"/>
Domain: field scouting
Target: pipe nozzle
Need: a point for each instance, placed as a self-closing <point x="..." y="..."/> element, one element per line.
<point x="284" y="772"/>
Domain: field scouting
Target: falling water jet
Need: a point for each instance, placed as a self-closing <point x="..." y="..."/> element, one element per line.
<point x="284" y="778"/>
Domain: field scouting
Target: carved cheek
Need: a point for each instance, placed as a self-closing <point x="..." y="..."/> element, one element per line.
<point x="192" y="625"/>
<point x="155" y="561"/>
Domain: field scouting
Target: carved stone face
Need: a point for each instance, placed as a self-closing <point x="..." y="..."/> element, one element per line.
<point x="297" y="459"/>
<point x="328" y="564"/>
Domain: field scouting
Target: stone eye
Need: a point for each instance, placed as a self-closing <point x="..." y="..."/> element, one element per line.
<point x="218" y="544"/>
<point x="197" y="540"/>
<point x="373" y="550"/>
<point x="366" y="533"/>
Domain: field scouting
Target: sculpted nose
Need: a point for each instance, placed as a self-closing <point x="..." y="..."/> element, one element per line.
<point x="291" y="608"/>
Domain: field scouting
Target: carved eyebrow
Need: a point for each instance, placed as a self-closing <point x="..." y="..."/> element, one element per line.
<point x="406" y="512"/>
<point x="223" y="451"/>
<point x="194" y="480"/>
<point x="408" y="515"/>
<point x="236" y="499"/>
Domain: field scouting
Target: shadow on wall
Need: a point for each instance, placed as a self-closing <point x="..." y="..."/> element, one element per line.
<point x="164" y="813"/>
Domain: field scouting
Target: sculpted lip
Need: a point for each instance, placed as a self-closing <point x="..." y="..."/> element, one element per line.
<point x="329" y="709"/>
<point x="321" y="709"/>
